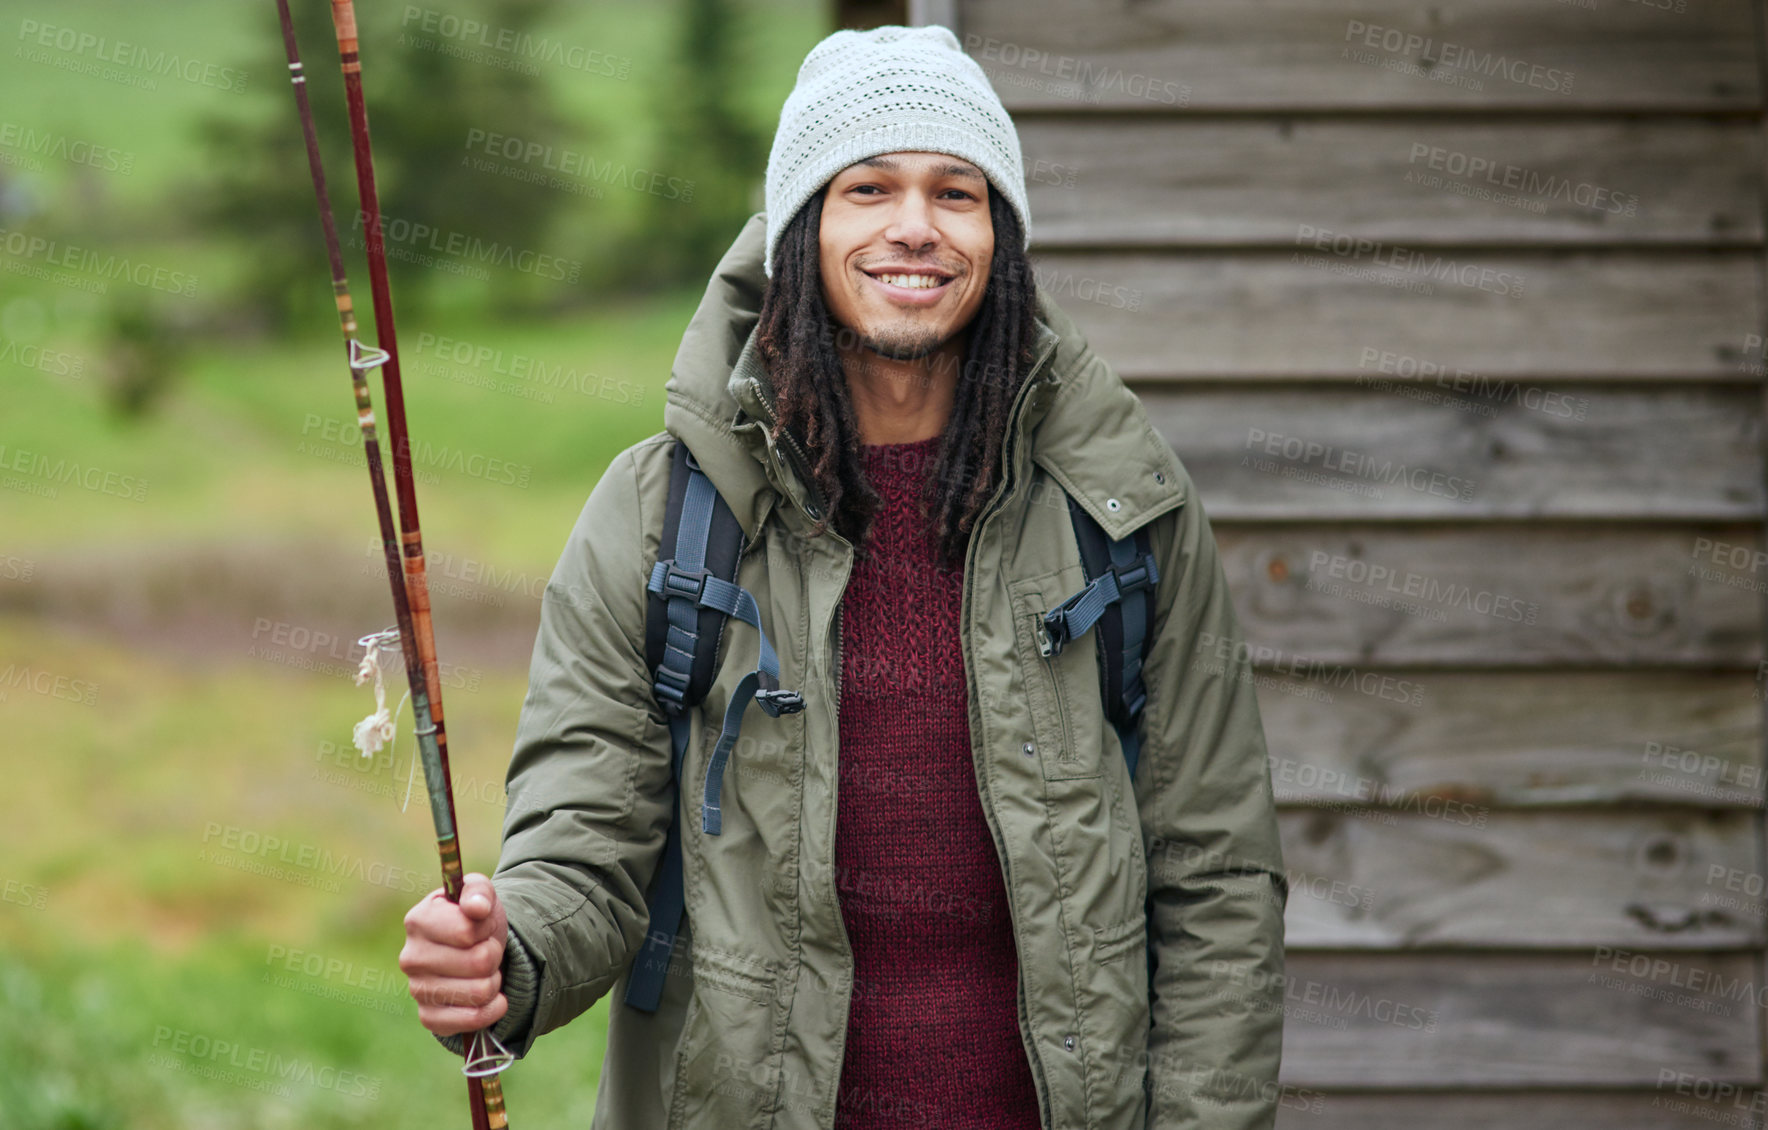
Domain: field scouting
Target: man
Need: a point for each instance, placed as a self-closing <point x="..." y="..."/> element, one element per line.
<point x="937" y="893"/>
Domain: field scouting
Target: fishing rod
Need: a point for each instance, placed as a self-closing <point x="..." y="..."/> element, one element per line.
<point x="405" y="571"/>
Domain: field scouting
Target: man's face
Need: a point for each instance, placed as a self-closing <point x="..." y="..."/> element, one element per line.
<point x="923" y="215"/>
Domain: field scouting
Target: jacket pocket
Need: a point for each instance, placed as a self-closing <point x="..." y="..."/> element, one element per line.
<point x="1115" y="1014"/>
<point x="1113" y="942"/>
<point x="727" y="1064"/>
<point x="1061" y="691"/>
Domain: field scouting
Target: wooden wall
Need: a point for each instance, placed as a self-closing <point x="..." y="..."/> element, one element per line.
<point x="1454" y="312"/>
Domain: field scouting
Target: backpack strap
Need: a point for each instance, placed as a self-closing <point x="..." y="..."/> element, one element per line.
<point x="1121" y="575"/>
<point x="699" y="534"/>
<point x="693" y="593"/>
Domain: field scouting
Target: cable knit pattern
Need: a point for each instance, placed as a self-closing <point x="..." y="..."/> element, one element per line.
<point x="933" y="1030"/>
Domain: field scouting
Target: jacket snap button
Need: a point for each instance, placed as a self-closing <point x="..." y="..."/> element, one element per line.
<point x="1068" y="1042"/>
<point x="1030" y="750"/>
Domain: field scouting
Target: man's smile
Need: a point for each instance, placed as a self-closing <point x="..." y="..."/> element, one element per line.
<point x="910" y="286"/>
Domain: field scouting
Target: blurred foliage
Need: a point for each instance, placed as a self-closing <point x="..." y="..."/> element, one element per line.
<point x="144" y="348"/>
<point x="696" y="178"/>
<point x="670" y="147"/>
<point x="421" y="103"/>
<point x="702" y="133"/>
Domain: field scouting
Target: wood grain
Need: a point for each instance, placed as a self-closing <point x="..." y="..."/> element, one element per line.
<point x="1664" y="1109"/>
<point x="1171" y="55"/>
<point x="1505" y="595"/>
<point x="1513" y="740"/>
<point x="1136" y="181"/>
<point x="1445" y="871"/>
<point x="1306" y="313"/>
<point x="1464" y="446"/>
<point x="1548" y="1020"/>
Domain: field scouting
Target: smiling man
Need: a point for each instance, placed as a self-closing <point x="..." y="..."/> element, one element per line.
<point x="972" y="878"/>
<point x="908" y="311"/>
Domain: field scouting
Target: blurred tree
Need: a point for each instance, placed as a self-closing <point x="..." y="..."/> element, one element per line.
<point x="424" y="97"/>
<point x="703" y="137"/>
<point x="143" y="349"/>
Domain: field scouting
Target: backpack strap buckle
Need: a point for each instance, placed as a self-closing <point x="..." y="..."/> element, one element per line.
<point x="1053" y="631"/>
<point x="778" y="702"/>
<point x="1143" y="574"/>
<point x="670" y="581"/>
<point x="1081" y="611"/>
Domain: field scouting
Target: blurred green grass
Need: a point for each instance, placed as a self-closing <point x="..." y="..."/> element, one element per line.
<point x="231" y="454"/>
<point x="127" y="955"/>
<point x="137" y="945"/>
<point x="137" y="937"/>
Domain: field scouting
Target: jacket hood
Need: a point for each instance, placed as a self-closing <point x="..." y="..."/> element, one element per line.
<point x="1081" y="423"/>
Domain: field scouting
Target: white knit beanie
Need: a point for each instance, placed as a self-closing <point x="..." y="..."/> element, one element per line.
<point x="887" y="90"/>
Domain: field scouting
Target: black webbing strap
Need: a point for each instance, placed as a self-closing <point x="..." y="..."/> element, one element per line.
<point x="681" y="649"/>
<point x="693" y="594"/>
<point x="1120" y="575"/>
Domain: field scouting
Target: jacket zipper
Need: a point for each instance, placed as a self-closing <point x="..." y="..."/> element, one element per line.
<point x="1036" y="1064"/>
<point x="795" y="454"/>
<point x="801" y="469"/>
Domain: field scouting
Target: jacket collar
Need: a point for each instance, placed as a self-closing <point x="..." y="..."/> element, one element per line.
<point x="1076" y="418"/>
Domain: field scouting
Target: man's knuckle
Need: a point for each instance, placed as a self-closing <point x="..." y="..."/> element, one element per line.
<point x="485" y="958"/>
<point x="458" y="935"/>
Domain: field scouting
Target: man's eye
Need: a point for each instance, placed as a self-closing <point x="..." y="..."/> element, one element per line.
<point x="874" y="189"/>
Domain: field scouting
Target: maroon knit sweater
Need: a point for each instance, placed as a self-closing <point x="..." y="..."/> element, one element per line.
<point x="933" y="1031"/>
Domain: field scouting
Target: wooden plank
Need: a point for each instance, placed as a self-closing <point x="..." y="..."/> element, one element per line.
<point x="870" y="13"/>
<point x="1319" y="314"/>
<point x="1168" y="55"/>
<point x="1563" y="738"/>
<point x="1450" y="446"/>
<point x="924" y="12"/>
<point x="1531" y="595"/>
<point x="1136" y="181"/>
<point x="1550" y="1020"/>
<point x="1435" y="870"/>
<point x="1673" y="1106"/>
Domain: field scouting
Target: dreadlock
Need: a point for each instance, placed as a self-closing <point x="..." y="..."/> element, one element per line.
<point x="797" y="345"/>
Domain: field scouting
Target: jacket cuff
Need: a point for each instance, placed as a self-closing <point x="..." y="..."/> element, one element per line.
<point x="521" y="985"/>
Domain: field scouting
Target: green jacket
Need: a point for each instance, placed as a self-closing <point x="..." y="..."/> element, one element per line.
<point x="751" y="1030"/>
